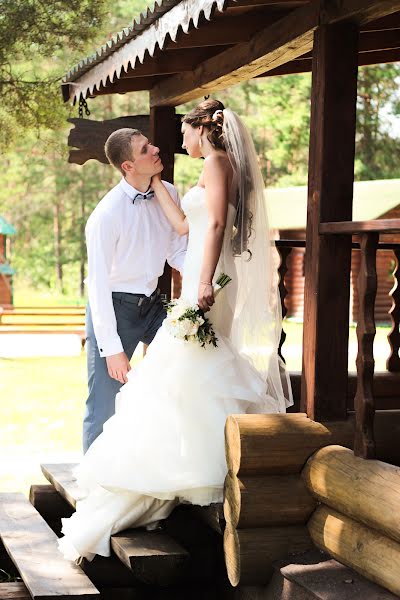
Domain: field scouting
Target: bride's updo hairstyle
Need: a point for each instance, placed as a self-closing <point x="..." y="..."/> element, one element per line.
<point x="204" y="114"/>
<point x="210" y="115"/>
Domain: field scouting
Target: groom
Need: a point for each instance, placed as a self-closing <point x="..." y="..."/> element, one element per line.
<point x="128" y="241"/>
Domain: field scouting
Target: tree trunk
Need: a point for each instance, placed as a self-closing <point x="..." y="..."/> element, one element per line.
<point x="57" y="229"/>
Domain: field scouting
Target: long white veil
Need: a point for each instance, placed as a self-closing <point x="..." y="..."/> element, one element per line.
<point x="257" y="322"/>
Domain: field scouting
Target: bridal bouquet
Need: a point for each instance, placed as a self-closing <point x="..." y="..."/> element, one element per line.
<point x="189" y="323"/>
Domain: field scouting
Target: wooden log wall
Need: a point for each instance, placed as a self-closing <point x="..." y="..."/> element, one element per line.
<point x="267" y="504"/>
<point x="268" y="498"/>
<point x="358" y="521"/>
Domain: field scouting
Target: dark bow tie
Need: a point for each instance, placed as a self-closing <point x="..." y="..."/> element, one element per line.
<point x="146" y="196"/>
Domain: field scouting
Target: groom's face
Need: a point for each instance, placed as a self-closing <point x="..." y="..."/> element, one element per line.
<point x="146" y="160"/>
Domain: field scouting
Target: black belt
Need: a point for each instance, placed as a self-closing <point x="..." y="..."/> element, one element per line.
<point x="139" y="299"/>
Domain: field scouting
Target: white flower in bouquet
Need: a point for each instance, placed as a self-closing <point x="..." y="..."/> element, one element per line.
<point x="188" y="322"/>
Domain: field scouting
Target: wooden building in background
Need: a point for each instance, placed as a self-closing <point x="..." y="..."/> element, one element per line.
<point x="371" y="200"/>
<point x="6" y="271"/>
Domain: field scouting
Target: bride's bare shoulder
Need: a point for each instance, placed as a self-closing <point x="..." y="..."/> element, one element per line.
<point x="217" y="163"/>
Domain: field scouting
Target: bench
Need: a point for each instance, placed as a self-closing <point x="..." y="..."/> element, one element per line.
<point x="44" y="320"/>
<point x="32" y="546"/>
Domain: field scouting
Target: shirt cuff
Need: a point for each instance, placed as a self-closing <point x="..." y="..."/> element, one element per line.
<point x="111" y="346"/>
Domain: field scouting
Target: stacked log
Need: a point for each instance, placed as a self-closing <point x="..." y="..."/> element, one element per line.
<point x="358" y="521"/>
<point x="267" y="504"/>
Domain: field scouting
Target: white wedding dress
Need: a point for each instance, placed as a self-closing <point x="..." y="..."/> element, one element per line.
<point x="165" y="444"/>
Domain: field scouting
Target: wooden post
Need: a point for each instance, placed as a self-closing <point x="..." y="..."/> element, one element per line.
<point x="393" y="362"/>
<point x="284" y="253"/>
<point x="364" y="443"/>
<point x="163" y="134"/>
<point x="330" y="193"/>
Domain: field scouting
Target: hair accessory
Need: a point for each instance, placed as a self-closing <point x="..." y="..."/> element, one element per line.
<point x="215" y="115"/>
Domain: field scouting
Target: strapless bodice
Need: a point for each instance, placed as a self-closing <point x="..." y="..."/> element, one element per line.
<point x="195" y="209"/>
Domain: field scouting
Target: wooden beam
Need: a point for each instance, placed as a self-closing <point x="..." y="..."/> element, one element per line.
<point x="123" y="86"/>
<point x="379" y="57"/>
<point x="330" y="192"/>
<point x="360" y="11"/>
<point x="171" y="61"/>
<point x="225" y="30"/>
<point x="276" y="3"/>
<point x="379" y="40"/>
<point x="273" y="46"/>
<point x="355" y="227"/>
<point x="391" y="21"/>
<point x="304" y="65"/>
<point x="276" y="44"/>
<point x="295" y="66"/>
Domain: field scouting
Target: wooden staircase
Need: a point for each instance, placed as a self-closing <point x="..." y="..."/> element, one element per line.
<point x="183" y="560"/>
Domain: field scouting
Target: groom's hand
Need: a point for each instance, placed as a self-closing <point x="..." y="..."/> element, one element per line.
<point x="118" y="366"/>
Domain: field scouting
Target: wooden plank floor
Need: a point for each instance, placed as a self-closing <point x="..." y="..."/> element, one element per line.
<point x="32" y="546"/>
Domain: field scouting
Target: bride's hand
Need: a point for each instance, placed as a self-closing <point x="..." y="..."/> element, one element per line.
<point x="155" y="181"/>
<point x="205" y="298"/>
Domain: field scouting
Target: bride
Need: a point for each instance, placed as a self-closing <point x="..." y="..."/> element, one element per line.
<point x="168" y="447"/>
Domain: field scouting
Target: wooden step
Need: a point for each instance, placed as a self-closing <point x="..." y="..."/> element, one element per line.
<point x="314" y="575"/>
<point x="212" y="515"/>
<point x="61" y="478"/>
<point x="101" y="571"/>
<point x="153" y="557"/>
<point x="32" y="546"/>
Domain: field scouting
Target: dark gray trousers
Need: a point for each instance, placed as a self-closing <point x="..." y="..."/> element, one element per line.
<point x="134" y="324"/>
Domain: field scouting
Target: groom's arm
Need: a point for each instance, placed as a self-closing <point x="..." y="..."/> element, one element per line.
<point x="177" y="243"/>
<point x="101" y="240"/>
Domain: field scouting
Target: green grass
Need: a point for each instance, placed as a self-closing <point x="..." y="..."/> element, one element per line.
<point x="41" y="410"/>
<point x="26" y="295"/>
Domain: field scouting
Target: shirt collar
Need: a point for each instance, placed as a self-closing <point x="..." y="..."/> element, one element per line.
<point x="129" y="190"/>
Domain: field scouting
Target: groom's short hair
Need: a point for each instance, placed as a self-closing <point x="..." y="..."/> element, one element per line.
<point x="118" y="146"/>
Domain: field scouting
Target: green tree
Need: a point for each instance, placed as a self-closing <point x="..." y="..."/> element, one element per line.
<point x="378" y="103"/>
<point x="33" y="37"/>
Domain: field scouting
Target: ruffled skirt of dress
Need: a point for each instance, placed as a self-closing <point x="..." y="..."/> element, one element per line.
<point x="165" y="444"/>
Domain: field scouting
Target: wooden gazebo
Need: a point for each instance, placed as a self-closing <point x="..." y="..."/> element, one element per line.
<point x="184" y="49"/>
<point x="289" y="486"/>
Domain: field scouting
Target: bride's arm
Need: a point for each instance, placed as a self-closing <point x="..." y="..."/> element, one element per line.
<point x="174" y="214"/>
<point x="216" y="183"/>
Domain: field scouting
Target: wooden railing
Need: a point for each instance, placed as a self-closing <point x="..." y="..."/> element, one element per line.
<point x="285" y="248"/>
<point x="368" y="233"/>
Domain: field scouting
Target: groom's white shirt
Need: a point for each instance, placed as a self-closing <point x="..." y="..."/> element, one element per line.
<point x="127" y="246"/>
